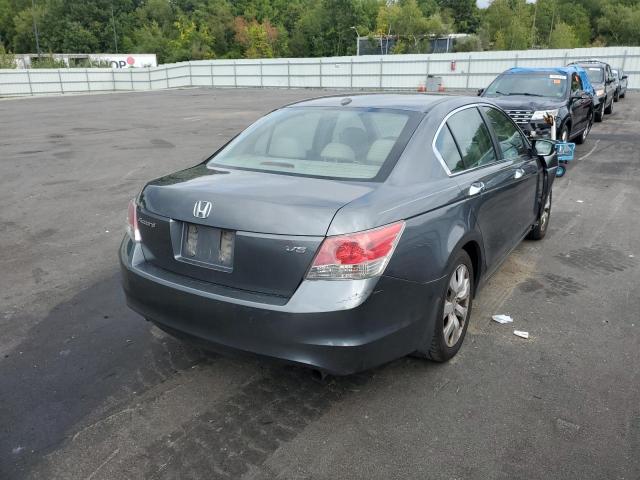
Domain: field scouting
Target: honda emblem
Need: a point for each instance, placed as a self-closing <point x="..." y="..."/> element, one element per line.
<point x="202" y="209"/>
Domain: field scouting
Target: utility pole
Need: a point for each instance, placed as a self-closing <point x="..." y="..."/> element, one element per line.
<point x="533" y="27"/>
<point x="553" y="17"/>
<point x="358" y="40"/>
<point x="35" y="26"/>
<point x="113" y="23"/>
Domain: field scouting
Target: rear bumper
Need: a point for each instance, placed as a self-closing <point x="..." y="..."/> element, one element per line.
<point x="340" y="327"/>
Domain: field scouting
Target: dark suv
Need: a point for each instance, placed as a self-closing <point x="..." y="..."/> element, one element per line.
<point x="537" y="98"/>
<point x="603" y="81"/>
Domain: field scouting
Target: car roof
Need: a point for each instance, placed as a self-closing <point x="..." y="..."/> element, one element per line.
<point x="561" y="70"/>
<point x="590" y="62"/>
<point x="398" y="101"/>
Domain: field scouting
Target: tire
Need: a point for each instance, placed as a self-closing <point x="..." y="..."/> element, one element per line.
<point x="539" y="230"/>
<point x="609" y="109"/>
<point x="623" y="94"/>
<point x="599" y="115"/>
<point x="585" y="133"/>
<point x="448" y="334"/>
<point x="565" y="134"/>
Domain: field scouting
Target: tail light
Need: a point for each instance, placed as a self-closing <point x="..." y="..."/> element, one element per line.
<point x="356" y="256"/>
<point x="132" y="221"/>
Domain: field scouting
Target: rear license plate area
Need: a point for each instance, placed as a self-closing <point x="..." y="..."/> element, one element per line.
<point x="207" y="246"/>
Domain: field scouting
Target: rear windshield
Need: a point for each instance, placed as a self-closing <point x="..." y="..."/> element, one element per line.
<point x="535" y="85"/>
<point x="595" y="74"/>
<point x="338" y="143"/>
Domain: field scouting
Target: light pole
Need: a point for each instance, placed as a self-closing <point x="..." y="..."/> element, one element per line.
<point x="358" y="40"/>
<point x="113" y="23"/>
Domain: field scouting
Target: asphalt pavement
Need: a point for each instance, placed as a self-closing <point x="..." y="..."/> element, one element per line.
<point x="89" y="390"/>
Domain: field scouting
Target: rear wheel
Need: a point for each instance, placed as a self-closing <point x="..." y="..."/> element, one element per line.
<point x="599" y="116"/>
<point x="609" y="109"/>
<point x="539" y="230"/>
<point x="451" y="324"/>
<point x="564" y="133"/>
<point x="585" y="133"/>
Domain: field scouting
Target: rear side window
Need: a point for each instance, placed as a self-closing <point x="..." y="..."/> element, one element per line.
<point x="446" y="146"/>
<point x="472" y="138"/>
<point x="512" y="144"/>
<point x="576" y="83"/>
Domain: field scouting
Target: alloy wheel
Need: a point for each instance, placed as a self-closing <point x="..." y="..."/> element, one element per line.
<point x="546" y="212"/>
<point x="587" y="129"/>
<point x="456" y="305"/>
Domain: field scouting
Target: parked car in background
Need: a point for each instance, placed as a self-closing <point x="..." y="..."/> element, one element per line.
<point x="531" y="96"/>
<point x="339" y="233"/>
<point x="622" y="80"/>
<point x="601" y="77"/>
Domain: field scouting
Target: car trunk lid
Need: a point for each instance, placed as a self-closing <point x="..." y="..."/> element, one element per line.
<point x="260" y="233"/>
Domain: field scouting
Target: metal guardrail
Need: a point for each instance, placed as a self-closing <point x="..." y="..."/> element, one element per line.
<point x="406" y="72"/>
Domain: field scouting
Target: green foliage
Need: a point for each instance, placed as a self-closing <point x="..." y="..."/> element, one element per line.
<point x="196" y="29"/>
<point x="405" y="19"/>
<point x="563" y="36"/>
<point x="47" y="61"/>
<point x="472" y="43"/>
<point x="508" y="24"/>
<point x="621" y="23"/>
<point x="193" y="41"/>
<point x="7" y="59"/>
<point x="465" y="14"/>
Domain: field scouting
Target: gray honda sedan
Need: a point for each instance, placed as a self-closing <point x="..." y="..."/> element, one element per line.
<point x="339" y="233"/>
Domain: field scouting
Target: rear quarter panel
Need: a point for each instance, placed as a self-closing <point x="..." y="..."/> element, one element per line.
<point x="438" y="218"/>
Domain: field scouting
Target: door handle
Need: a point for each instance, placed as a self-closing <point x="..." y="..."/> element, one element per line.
<point x="476" y="188"/>
<point x="519" y="173"/>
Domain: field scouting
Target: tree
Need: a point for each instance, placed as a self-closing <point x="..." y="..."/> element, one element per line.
<point x="472" y="43"/>
<point x="192" y="43"/>
<point x="465" y="14"/>
<point x="508" y="24"/>
<point x="563" y="36"/>
<point x="259" y="40"/>
<point x="620" y="23"/>
<point x="406" y="21"/>
<point x="7" y="59"/>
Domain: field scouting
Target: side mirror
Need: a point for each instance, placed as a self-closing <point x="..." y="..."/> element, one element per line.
<point x="543" y="148"/>
<point x="480" y="91"/>
<point x="624" y="77"/>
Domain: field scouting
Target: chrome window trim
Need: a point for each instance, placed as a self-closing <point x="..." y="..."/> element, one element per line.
<point x="527" y="143"/>
<point x="443" y="123"/>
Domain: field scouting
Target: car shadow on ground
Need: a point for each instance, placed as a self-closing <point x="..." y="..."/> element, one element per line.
<point x="98" y="349"/>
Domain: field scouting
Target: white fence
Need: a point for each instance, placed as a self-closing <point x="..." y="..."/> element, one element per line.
<point x="391" y="72"/>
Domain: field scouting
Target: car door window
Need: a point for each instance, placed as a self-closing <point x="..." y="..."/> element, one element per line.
<point x="576" y="84"/>
<point x="512" y="143"/>
<point x="446" y="146"/>
<point x="472" y="137"/>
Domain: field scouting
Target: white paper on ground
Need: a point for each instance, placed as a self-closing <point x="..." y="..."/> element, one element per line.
<point x="520" y="333"/>
<point x="502" y="318"/>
